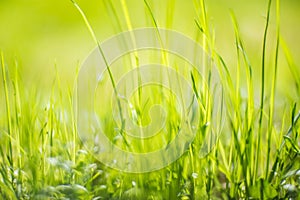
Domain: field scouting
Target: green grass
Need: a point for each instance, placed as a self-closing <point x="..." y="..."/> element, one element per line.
<point x="257" y="156"/>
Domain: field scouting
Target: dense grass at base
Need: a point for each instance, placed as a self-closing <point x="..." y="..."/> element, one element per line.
<point x="257" y="155"/>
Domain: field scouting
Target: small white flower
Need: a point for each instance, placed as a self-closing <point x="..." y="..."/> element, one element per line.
<point x="133" y="183"/>
<point x="194" y="175"/>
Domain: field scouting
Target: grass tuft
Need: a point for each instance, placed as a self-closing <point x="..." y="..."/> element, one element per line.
<point x="257" y="156"/>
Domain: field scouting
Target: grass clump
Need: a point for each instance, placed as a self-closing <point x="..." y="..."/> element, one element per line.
<point x="257" y="156"/>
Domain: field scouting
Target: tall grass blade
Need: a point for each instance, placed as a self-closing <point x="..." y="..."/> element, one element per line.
<point x="262" y="96"/>
<point x="107" y="67"/>
<point x="8" y="112"/>
<point x="273" y="89"/>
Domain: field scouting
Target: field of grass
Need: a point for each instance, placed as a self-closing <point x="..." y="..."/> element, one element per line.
<point x="241" y="101"/>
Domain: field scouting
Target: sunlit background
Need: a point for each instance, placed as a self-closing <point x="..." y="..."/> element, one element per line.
<point x="40" y="35"/>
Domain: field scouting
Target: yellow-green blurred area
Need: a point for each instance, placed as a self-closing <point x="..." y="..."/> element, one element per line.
<point x="40" y="35"/>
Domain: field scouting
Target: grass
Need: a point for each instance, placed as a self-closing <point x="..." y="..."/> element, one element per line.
<point x="257" y="156"/>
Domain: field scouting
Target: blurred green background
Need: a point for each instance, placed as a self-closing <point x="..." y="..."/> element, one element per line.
<point x="41" y="34"/>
